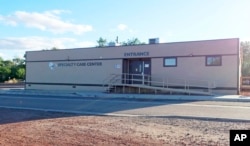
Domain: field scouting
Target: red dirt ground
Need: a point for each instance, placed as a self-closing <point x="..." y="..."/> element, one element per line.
<point x="36" y="128"/>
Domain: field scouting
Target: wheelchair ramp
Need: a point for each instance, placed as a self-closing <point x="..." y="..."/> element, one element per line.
<point x="118" y="83"/>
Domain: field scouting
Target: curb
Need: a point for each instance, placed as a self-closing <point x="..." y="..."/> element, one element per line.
<point x="139" y="97"/>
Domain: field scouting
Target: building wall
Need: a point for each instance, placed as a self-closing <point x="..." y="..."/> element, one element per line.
<point x="194" y="71"/>
<point x="191" y="59"/>
<point x="66" y="74"/>
<point x="195" y="68"/>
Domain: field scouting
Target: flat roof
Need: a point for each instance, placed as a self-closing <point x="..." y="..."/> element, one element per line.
<point x="124" y="46"/>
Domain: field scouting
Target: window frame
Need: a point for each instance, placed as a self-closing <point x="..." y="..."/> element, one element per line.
<point x="164" y="62"/>
<point x="214" y="56"/>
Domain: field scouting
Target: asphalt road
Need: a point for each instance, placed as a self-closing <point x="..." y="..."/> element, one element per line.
<point x="99" y="106"/>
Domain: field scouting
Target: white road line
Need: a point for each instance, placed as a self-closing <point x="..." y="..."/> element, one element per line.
<point x="209" y="105"/>
<point x="72" y="111"/>
<point x="74" y="99"/>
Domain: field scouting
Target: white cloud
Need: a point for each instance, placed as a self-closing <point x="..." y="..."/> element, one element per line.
<point x="85" y="44"/>
<point x="4" y="56"/>
<point x="46" y="21"/>
<point x="8" y="20"/>
<point x="39" y="43"/>
<point x="11" y="47"/>
<point x="57" y="12"/>
<point x="244" y="39"/>
<point x="122" y="27"/>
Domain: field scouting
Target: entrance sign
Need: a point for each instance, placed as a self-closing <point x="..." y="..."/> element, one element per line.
<point x="132" y="54"/>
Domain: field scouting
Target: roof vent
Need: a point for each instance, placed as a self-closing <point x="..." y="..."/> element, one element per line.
<point x="153" y="41"/>
<point x="113" y="44"/>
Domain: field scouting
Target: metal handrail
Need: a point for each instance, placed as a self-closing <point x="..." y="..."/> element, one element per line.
<point x="166" y="80"/>
<point x="126" y="78"/>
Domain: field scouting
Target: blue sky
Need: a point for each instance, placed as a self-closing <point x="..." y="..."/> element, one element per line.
<point x="43" y="24"/>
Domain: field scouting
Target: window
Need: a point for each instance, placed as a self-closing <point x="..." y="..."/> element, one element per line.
<point x="213" y="60"/>
<point x="170" y="62"/>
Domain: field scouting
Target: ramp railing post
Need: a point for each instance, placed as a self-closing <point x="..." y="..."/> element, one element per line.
<point x="143" y="78"/>
<point x="125" y="79"/>
<point x="132" y="81"/>
<point x="167" y="82"/>
<point x="208" y="87"/>
<point x="185" y="86"/>
<point x="163" y="83"/>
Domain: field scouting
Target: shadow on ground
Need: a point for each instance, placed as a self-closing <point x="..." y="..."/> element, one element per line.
<point x="8" y="116"/>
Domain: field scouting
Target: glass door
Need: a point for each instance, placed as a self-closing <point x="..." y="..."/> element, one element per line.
<point x="139" y="71"/>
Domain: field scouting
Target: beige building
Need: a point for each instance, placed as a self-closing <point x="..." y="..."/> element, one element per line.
<point x="211" y="66"/>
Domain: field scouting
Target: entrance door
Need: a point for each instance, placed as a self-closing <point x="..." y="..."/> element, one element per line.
<point x="139" y="71"/>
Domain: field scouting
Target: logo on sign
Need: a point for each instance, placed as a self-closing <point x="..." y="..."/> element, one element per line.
<point x="52" y="65"/>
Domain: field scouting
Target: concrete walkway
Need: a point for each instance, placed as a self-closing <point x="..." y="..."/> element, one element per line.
<point x="152" y="97"/>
